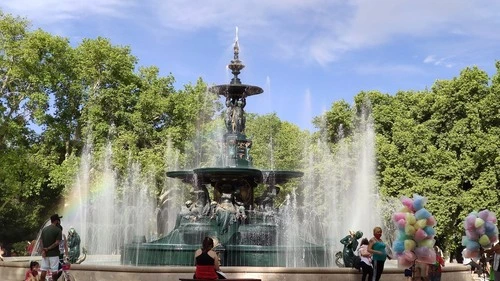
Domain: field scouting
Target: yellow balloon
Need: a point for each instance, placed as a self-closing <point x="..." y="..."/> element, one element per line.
<point x="409" y="230"/>
<point x="428" y="243"/>
<point x="405" y="210"/>
<point x="410" y="218"/>
<point x="410" y="245"/>
<point x="479" y="222"/>
<point x="421" y="223"/>
<point x="484" y="240"/>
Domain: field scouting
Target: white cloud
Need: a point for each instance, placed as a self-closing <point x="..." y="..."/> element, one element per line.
<point x="56" y="11"/>
<point x="323" y="31"/>
<point x="320" y="31"/>
<point x="431" y="59"/>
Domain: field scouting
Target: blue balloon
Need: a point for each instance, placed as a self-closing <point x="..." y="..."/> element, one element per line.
<point x="422" y="214"/>
<point x="490" y="228"/>
<point x="398" y="246"/>
<point x="430" y="230"/>
<point x="418" y="202"/>
<point x="472" y="245"/>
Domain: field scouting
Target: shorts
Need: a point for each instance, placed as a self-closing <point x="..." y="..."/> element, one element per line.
<point x="50" y="263"/>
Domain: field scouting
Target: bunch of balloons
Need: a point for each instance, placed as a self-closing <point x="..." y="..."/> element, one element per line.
<point x="480" y="231"/>
<point x="415" y="232"/>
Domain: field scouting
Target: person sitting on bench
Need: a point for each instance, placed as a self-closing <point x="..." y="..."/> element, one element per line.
<point x="207" y="261"/>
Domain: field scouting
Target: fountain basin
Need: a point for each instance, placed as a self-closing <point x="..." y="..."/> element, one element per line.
<point x="14" y="271"/>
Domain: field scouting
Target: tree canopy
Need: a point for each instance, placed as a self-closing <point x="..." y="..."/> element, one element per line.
<point x="441" y="143"/>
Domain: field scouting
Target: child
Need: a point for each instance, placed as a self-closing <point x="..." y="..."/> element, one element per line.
<point x="366" y="260"/>
<point x="32" y="273"/>
<point x="435" y="269"/>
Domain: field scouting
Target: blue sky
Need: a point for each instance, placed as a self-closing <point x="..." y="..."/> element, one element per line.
<point x="305" y="54"/>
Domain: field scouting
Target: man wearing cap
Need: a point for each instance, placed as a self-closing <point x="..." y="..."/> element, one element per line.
<point x="51" y="236"/>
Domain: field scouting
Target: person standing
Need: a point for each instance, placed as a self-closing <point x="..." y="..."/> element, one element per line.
<point x="366" y="260"/>
<point x="50" y="238"/>
<point x="436" y="268"/>
<point x="63" y="251"/>
<point x="495" y="250"/>
<point x="377" y="248"/>
<point x="63" y="245"/>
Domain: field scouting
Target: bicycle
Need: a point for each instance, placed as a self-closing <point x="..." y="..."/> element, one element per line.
<point x="65" y="275"/>
<point x="339" y="259"/>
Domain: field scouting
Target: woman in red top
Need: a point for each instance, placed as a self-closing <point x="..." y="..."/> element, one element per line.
<point x="207" y="261"/>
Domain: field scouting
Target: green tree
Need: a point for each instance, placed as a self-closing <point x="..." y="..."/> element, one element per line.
<point x="28" y="74"/>
<point x="277" y="145"/>
<point x="443" y="145"/>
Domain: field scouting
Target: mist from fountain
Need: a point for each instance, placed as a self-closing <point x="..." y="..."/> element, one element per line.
<point x="338" y="193"/>
<point x="109" y="211"/>
<point x="106" y="211"/>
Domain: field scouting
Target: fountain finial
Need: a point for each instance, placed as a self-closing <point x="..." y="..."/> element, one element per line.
<point x="236" y="65"/>
<point x="236" y="46"/>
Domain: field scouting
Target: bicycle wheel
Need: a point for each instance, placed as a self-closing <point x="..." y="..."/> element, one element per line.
<point x="68" y="277"/>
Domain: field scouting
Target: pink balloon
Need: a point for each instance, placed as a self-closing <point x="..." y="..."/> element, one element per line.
<point x="471" y="234"/>
<point x="492" y="218"/>
<point x="484" y="214"/>
<point x="420" y="235"/>
<point x="403" y="262"/>
<point x="401" y="223"/>
<point x="470" y="222"/>
<point x="398" y="216"/>
<point x="408" y="203"/>
<point x="493" y="238"/>
<point x="431" y="221"/>
<point x="409" y="255"/>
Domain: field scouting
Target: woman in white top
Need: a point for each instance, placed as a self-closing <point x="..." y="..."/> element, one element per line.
<point x="366" y="260"/>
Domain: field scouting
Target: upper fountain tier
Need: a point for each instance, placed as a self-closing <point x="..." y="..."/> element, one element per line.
<point x="235" y="90"/>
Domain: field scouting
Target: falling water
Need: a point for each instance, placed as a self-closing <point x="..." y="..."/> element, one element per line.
<point x="107" y="211"/>
<point x="172" y="194"/>
<point x="338" y="194"/>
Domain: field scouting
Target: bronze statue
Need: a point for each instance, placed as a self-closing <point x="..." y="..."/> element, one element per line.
<point x="235" y="115"/>
<point x="73" y="245"/>
<point x="350" y="243"/>
<point x="230" y="104"/>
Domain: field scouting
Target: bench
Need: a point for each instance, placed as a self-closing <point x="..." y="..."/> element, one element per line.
<point x="229" y="279"/>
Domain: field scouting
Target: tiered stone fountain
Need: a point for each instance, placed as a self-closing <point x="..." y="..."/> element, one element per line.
<point x="247" y="228"/>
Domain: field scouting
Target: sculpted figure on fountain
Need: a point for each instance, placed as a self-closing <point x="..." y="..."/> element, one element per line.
<point x="235" y="115"/>
<point x="350" y="243"/>
<point x="225" y="212"/>
<point x="73" y="245"/>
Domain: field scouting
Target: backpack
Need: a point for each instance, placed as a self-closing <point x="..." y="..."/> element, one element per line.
<point x="356" y="262"/>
